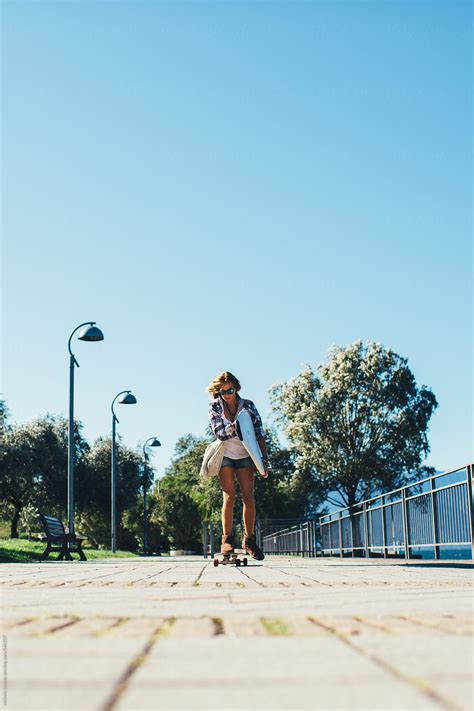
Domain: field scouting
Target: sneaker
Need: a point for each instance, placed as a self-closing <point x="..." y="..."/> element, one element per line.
<point x="227" y="545"/>
<point x="250" y="545"/>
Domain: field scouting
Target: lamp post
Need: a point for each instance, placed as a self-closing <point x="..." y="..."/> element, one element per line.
<point x="90" y="333"/>
<point x="154" y="442"/>
<point x="124" y="397"/>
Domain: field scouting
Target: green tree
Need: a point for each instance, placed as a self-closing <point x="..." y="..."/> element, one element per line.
<point x="132" y="520"/>
<point x="34" y="466"/>
<point x="29" y="519"/>
<point x="93" y="499"/>
<point x="358" y="424"/>
<point x="4" y="414"/>
<point x="177" y="513"/>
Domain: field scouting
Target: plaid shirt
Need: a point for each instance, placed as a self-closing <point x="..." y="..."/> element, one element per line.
<point x="223" y="431"/>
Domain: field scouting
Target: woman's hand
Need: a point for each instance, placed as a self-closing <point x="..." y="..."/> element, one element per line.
<point x="267" y="467"/>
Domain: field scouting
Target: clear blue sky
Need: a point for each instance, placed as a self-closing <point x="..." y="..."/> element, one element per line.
<point x="233" y="186"/>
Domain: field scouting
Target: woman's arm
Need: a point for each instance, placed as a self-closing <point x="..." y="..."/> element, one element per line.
<point x="220" y="429"/>
<point x="263" y="447"/>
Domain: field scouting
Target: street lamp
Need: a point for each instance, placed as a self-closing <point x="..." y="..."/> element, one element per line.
<point x="153" y="443"/>
<point x="91" y="333"/>
<point x="124" y="397"/>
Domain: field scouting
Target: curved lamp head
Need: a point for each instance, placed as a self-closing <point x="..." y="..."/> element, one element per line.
<point x="127" y="399"/>
<point x="91" y="333"/>
<point x="155" y="443"/>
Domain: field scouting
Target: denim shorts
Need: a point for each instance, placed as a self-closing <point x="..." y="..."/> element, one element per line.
<point x="237" y="463"/>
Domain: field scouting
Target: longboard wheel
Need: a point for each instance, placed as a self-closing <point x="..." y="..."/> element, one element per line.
<point x="237" y="562"/>
<point x="216" y="562"/>
<point x="245" y="561"/>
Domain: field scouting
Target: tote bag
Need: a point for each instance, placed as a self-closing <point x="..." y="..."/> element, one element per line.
<point x="212" y="459"/>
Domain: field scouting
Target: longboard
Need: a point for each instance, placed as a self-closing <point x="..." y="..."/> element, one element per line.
<point x="231" y="558"/>
<point x="246" y="433"/>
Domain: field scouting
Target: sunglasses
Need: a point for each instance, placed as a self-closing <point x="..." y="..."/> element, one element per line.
<point x="229" y="391"/>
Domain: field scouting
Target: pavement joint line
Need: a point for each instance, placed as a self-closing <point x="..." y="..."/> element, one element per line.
<point x="22" y="622"/>
<point x="218" y="623"/>
<point x="417" y="683"/>
<point x="262" y="585"/>
<point x="305" y="577"/>
<point x="196" y="582"/>
<point x="72" y="621"/>
<point x="373" y="624"/>
<point x="118" y="623"/>
<point x="431" y="625"/>
<point x="137" y="661"/>
<point x="147" y="577"/>
<point x="88" y="580"/>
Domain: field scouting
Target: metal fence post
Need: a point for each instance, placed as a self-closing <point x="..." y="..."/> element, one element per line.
<point x="211" y="536"/>
<point x="433" y="521"/>
<point x="205" y="551"/>
<point x="330" y="535"/>
<point x="383" y="529"/>
<point x="405" y="524"/>
<point x="352" y="522"/>
<point x="366" y="530"/>
<point x="470" y="472"/>
<point x="341" y="552"/>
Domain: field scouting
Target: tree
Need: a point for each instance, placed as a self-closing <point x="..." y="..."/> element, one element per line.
<point x="34" y="465"/>
<point x="358" y="424"/>
<point x="177" y="512"/>
<point x="4" y="414"/>
<point x="132" y="521"/>
<point x="29" y="518"/>
<point x="94" y="498"/>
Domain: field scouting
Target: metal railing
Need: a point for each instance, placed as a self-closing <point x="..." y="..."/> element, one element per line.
<point x="301" y="539"/>
<point x="431" y="513"/>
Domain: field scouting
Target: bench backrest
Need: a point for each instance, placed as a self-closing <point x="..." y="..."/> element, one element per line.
<point x="52" y="526"/>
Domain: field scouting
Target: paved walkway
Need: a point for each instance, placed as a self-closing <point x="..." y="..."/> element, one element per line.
<point x="177" y="633"/>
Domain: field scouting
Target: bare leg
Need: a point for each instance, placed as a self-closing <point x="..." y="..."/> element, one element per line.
<point x="226" y="476"/>
<point x="246" y="477"/>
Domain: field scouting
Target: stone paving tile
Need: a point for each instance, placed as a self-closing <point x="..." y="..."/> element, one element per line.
<point x="273" y="673"/>
<point x="303" y="694"/>
<point x="51" y="696"/>
<point x="141" y="627"/>
<point x="52" y="646"/>
<point x="242" y="627"/>
<point x="193" y="627"/>
<point x="459" y="690"/>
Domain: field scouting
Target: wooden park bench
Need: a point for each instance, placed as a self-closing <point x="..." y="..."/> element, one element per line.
<point x="66" y="543"/>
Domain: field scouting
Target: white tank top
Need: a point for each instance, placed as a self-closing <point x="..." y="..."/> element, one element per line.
<point x="233" y="448"/>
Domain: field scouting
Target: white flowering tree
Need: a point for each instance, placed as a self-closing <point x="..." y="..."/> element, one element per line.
<point x="358" y="423"/>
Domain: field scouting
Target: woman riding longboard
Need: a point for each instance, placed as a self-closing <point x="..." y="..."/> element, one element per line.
<point x="224" y="408"/>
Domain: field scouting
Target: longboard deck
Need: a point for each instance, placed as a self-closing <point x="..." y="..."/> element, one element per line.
<point x="246" y="434"/>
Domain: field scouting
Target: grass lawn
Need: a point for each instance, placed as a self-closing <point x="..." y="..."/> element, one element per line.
<point x="20" y="550"/>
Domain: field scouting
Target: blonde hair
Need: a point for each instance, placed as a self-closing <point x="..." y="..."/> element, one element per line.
<point x="222" y="379"/>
